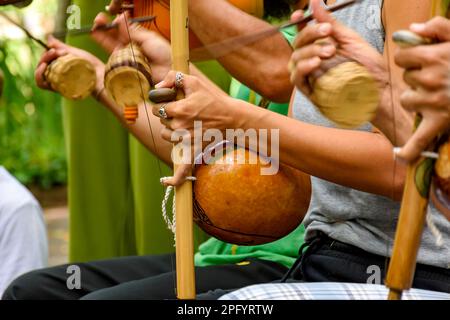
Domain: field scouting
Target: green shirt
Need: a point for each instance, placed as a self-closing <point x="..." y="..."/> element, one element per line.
<point x="283" y="251"/>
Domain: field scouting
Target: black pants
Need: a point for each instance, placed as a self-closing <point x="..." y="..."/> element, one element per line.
<point x="327" y="260"/>
<point x="137" y="278"/>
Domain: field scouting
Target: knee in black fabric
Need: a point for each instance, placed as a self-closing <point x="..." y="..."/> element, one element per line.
<point x="214" y="294"/>
<point x="25" y="287"/>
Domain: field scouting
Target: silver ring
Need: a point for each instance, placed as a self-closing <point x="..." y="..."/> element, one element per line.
<point x="162" y="112"/>
<point x="179" y="79"/>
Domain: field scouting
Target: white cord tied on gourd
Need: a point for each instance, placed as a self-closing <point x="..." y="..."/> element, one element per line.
<point x="434" y="229"/>
<point x="171" y="221"/>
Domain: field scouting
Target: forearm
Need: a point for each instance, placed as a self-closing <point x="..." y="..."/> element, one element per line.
<point x="146" y="129"/>
<point x="395" y="122"/>
<point x="359" y="160"/>
<point x="215" y="21"/>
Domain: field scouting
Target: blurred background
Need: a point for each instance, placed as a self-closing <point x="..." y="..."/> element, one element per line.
<point x="32" y="144"/>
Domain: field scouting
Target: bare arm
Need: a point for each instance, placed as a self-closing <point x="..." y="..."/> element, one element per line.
<point x="355" y="159"/>
<point x="214" y="21"/>
<point x="146" y="129"/>
<point x="359" y="160"/>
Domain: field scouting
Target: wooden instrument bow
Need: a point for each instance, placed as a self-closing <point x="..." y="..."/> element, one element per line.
<point x="412" y="215"/>
<point x="180" y="52"/>
<point x="184" y="202"/>
<point x="414" y="204"/>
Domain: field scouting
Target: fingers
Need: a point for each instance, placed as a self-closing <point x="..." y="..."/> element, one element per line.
<point x="124" y="25"/>
<point x="115" y="6"/>
<point x="100" y="20"/>
<point x="48" y="56"/>
<point x="169" y="109"/>
<point x="421" y="139"/>
<point x="321" y="50"/>
<point x="39" y="76"/>
<point x="319" y="12"/>
<point x="296" y="16"/>
<point x="184" y="166"/>
<point x="312" y="33"/>
<point x="45" y="60"/>
<point x="301" y="71"/>
<point x="430" y="79"/>
<point x="418" y="101"/>
<point x="437" y="28"/>
<point x="339" y="31"/>
<point x="113" y="38"/>
<point x="189" y="83"/>
<point x="407" y="60"/>
<point x="181" y="173"/>
<point x="169" y="81"/>
<point x="52" y="42"/>
<point x="166" y="134"/>
<point x="414" y="58"/>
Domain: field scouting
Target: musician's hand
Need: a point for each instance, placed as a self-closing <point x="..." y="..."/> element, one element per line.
<point x="115" y="6"/>
<point x="155" y="47"/>
<point x="428" y="75"/>
<point x="317" y="42"/>
<point x="214" y="111"/>
<point x="115" y="38"/>
<point x="59" y="49"/>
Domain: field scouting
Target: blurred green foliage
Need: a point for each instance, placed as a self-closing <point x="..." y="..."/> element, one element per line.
<point x="31" y="129"/>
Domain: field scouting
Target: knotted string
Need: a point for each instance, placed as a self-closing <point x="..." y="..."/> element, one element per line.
<point x="171" y="221"/>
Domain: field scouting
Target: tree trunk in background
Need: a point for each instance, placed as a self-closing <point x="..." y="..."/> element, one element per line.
<point x="114" y="190"/>
<point x="61" y="16"/>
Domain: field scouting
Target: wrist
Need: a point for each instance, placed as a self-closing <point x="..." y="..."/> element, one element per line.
<point x="391" y="119"/>
<point x="384" y="110"/>
<point x="242" y="115"/>
<point x="98" y="93"/>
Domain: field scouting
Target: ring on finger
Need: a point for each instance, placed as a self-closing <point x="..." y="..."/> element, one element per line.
<point x="179" y="80"/>
<point x="162" y="112"/>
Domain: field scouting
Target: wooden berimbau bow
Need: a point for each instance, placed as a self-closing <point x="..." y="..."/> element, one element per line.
<point x="413" y="214"/>
<point x="184" y="198"/>
<point x="179" y="16"/>
<point x="180" y="58"/>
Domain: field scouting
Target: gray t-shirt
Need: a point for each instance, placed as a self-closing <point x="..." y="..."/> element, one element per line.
<point x="361" y="219"/>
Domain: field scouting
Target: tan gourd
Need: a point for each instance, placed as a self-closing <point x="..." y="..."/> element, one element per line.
<point x="71" y="76"/>
<point x="345" y="92"/>
<point x="128" y="80"/>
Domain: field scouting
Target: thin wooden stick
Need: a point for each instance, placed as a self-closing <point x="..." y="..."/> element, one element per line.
<point x="413" y="211"/>
<point x="109" y="26"/>
<point x="28" y="33"/>
<point x="409" y="229"/>
<point x="184" y="204"/>
<point x="222" y="48"/>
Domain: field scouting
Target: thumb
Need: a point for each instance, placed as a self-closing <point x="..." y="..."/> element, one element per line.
<point x="420" y="140"/>
<point x="168" y="82"/>
<point x="339" y="31"/>
<point x="296" y="16"/>
<point x="437" y="28"/>
<point x="181" y="173"/>
<point x="319" y="12"/>
<point x="100" y="20"/>
<point x="52" y="42"/>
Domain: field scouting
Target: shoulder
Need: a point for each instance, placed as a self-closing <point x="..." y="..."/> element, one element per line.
<point x="14" y="195"/>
